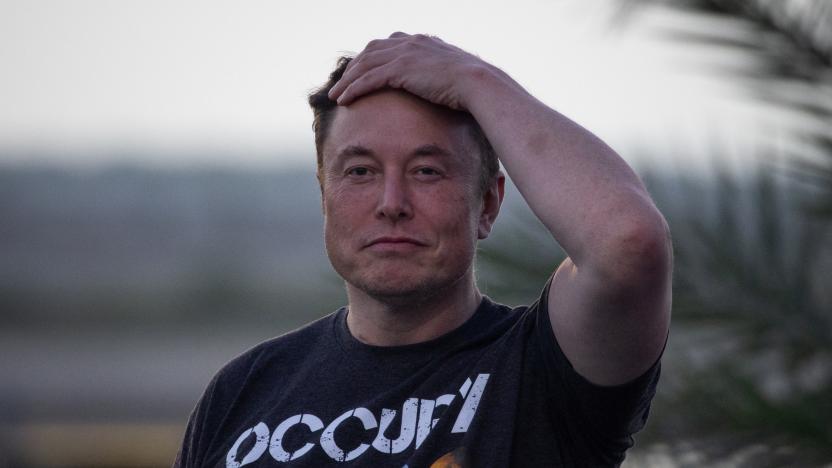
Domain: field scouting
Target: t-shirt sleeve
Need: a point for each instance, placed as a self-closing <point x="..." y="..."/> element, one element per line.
<point x="196" y="437"/>
<point x="607" y="416"/>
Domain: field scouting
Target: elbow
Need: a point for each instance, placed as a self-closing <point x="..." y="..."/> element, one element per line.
<point x="638" y="251"/>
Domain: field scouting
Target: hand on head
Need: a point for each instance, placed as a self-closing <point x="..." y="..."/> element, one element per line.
<point x="422" y="65"/>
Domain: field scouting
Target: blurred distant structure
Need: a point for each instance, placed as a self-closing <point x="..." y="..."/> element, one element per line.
<point x="122" y="290"/>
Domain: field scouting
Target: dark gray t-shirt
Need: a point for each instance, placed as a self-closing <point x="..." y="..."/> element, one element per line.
<point x="495" y="392"/>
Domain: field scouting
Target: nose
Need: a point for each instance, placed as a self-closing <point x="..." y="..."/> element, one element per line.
<point x="394" y="203"/>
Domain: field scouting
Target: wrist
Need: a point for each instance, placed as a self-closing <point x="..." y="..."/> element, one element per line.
<point x="482" y="83"/>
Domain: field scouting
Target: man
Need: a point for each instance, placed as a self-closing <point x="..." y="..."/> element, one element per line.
<point x="420" y="369"/>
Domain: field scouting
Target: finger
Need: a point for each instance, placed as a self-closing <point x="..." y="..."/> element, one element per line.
<point x="376" y="45"/>
<point x="375" y="79"/>
<point x="362" y="64"/>
<point x="373" y="46"/>
<point x="379" y="44"/>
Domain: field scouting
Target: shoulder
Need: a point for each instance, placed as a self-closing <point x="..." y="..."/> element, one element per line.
<point x="285" y="351"/>
<point x="245" y="380"/>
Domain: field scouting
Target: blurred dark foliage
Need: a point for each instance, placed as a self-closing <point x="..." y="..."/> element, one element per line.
<point x="758" y="281"/>
<point x="789" y="44"/>
<point x="748" y="369"/>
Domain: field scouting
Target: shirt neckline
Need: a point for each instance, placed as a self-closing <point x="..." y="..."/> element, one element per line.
<point x="351" y="345"/>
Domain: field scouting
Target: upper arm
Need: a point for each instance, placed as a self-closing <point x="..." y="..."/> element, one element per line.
<point x="611" y="315"/>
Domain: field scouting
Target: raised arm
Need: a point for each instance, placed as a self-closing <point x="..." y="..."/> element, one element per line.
<point x="609" y="301"/>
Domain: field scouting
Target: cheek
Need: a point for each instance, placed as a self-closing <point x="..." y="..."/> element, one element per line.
<point x="337" y="220"/>
<point x="460" y="218"/>
<point x="339" y="203"/>
<point x="338" y="224"/>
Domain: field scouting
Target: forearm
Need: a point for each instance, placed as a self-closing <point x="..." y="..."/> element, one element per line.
<point x="584" y="193"/>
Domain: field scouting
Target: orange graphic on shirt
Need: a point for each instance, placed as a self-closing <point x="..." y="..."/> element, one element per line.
<point x="455" y="459"/>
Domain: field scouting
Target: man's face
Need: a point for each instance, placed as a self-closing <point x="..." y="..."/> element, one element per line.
<point x="402" y="208"/>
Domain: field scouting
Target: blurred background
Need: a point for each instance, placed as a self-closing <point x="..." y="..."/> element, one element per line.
<point x="159" y="212"/>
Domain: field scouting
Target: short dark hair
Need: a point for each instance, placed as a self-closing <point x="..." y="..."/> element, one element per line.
<point x="324" y="108"/>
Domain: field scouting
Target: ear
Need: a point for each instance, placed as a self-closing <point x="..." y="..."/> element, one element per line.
<point x="491" y="201"/>
<point x="321" y="186"/>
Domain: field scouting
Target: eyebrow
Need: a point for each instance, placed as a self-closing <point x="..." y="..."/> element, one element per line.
<point x="355" y="150"/>
<point x="423" y="150"/>
<point x="431" y="150"/>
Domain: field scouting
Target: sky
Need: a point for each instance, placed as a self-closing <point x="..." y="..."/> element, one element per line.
<point x="97" y="82"/>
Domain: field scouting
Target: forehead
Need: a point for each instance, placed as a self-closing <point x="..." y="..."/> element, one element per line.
<point x="396" y="122"/>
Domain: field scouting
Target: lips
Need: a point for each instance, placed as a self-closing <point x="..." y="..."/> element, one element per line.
<point x="394" y="241"/>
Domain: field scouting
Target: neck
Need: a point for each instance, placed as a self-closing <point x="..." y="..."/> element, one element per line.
<point x="396" y="322"/>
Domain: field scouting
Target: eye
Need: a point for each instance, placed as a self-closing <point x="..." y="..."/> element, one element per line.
<point x="427" y="171"/>
<point x="358" y="171"/>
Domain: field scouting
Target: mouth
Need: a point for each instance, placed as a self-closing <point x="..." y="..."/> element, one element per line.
<point x="395" y="242"/>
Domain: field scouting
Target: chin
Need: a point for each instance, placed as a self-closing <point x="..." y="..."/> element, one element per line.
<point x="405" y="290"/>
<point x="396" y="290"/>
<point x="398" y="280"/>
